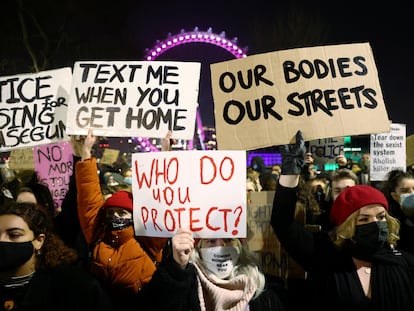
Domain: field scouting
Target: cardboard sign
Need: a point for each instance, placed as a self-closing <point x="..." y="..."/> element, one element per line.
<point x="21" y="159"/>
<point x="109" y="156"/>
<point x="204" y="191"/>
<point x="326" y="91"/>
<point x="410" y="150"/>
<point x="262" y="240"/>
<point x="324" y="151"/>
<point x="387" y="152"/>
<point x="54" y="166"/>
<point x="33" y="108"/>
<point x="134" y="98"/>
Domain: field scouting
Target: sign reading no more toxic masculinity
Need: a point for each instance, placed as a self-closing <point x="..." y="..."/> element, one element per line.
<point x="204" y="191"/>
<point x="326" y="91"/>
<point x="33" y="108"/>
<point x="134" y="98"/>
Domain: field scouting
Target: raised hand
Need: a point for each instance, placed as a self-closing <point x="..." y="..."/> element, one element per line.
<point x="88" y="143"/>
<point x="293" y="156"/>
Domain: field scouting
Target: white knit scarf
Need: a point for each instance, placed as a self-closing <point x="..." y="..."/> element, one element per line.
<point x="230" y="295"/>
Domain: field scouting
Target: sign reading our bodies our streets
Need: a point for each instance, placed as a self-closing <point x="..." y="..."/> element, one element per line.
<point x="33" y="108"/>
<point x="134" y="98"/>
<point x="204" y="191"/>
<point x="326" y="91"/>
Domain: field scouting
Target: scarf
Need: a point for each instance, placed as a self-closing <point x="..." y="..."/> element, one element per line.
<point x="230" y="295"/>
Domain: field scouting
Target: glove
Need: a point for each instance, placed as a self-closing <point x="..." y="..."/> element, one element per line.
<point x="293" y="156"/>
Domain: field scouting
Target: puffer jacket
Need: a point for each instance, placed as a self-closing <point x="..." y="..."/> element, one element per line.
<point x="118" y="260"/>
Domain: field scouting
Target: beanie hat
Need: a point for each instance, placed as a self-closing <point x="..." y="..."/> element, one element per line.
<point x="122" y="199"/>
<point x="352" y="199"/>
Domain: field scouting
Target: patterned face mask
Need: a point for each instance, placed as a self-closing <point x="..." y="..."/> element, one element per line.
<point x="220" y="260"/>
<point x="118" y="223"/>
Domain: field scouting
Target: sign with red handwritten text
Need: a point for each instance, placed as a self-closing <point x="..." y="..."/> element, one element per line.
<point x="33" y="108"/>
<point x="54" y="166"/>
<point x="204" y="191"/>
<point x="326" y="91"/>
<point x="129" y="98"/>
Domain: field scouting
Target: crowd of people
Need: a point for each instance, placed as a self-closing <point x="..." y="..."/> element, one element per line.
<point x="353" y="239"/>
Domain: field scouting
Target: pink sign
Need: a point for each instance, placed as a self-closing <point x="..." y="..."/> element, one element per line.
<point x="54" y="166"/>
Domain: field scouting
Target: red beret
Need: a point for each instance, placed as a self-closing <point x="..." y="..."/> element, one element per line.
<point x="122" y="199"/>
<point x="352" y="199"/>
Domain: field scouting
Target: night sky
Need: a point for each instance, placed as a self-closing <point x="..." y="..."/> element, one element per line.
<point x="62" y="32"/>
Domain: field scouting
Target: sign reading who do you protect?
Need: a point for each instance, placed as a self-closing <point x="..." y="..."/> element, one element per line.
<point x="134" y="98"/>
<point x="201" y="190"/>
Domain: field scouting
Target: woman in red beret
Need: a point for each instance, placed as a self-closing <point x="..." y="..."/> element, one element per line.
<point x="357" y="265"/>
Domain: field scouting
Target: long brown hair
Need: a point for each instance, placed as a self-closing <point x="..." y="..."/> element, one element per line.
<point x="54" y="252"/>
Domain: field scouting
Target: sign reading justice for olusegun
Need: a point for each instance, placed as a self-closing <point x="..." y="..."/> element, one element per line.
<point x="33" y="108"/>
<point x="204" y="191"/>
<point x="134" y="98"/>
<point x="326" y="91"/>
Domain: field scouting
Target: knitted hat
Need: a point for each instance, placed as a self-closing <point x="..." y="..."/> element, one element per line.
<point x="122" y="199"/>
<point x="352" y="199"/>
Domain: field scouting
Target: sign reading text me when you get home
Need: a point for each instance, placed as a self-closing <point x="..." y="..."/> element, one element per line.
<point x="123" y="99"/>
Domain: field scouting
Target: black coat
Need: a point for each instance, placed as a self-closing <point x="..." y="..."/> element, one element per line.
<point x="174" y="289"/>
<point x="66" y="288"/>
<point x="332" y="278"/>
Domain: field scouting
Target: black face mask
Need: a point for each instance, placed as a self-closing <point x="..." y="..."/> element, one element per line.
<point x="13" y="255"/>
<point x="118" y="223"/>
<point x="369" y="238"/>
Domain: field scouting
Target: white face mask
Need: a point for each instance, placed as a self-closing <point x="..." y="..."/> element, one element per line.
<point x="220" y="260"/>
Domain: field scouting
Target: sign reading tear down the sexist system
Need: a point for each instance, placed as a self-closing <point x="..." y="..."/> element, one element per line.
<point x="326" y="91"/>
<point x="134" y="98"/>
<point x="204" y="191"/>
<point x="33" y="108"/>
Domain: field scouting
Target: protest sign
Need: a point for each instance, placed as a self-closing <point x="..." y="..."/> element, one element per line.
<point x="325" y="91"/>
<point x="324" y="151"/>
<point x="146" y="98"/>
<point x="33" y="108"/>
<point x="21" y="159"/>
<point x="109" y="156"/>
<point x="54" y="166"/>
<point x="387" y="152"/>
<point x="204" y="191"/>
<point x="410" y="150"/>
<point x="262" y="240"/>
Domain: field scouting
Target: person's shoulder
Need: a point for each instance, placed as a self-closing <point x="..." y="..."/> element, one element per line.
<point x="72" y="275"/>
<point x="408" y="256"/>
<point x="269" y="299"/>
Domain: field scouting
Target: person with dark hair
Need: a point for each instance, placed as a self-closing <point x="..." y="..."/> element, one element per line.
<point x="208" y="274"/>
<point x="37" y="193"/>
<point x="357" y="266"/>
<point x="399" y="190"/>
<point x="37" y="270"/>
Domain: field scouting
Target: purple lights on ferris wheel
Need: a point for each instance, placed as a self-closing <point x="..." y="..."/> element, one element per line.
<point x="196" y="36"/>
